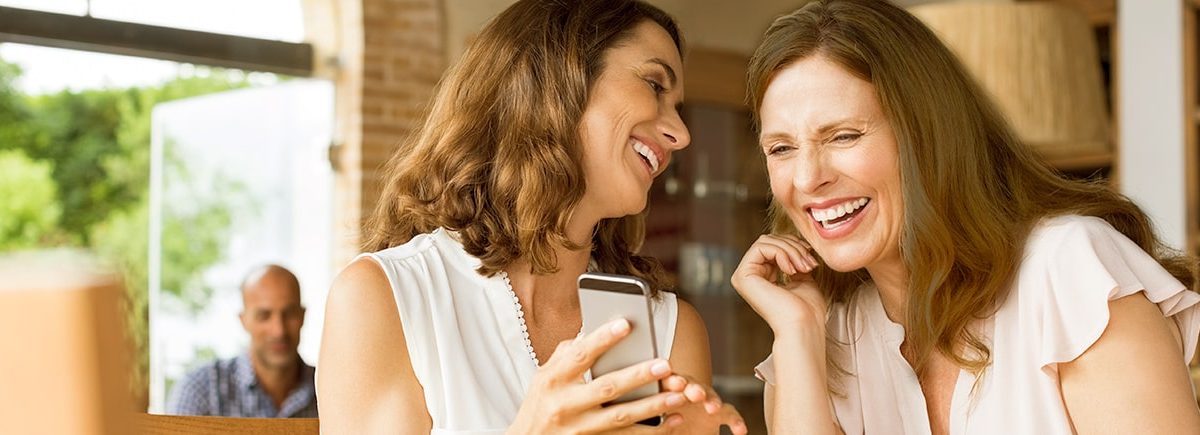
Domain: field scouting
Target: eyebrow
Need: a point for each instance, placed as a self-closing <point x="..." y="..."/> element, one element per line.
<point x="823" y="130"/>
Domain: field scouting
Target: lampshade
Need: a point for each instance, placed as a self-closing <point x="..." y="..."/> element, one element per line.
<point x="65" y="366"/>
<point x="1039" y="62"/>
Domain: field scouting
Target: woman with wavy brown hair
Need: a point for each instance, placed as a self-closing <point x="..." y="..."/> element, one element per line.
<point x="927" y="273"/>
<point x="534" y="166"/>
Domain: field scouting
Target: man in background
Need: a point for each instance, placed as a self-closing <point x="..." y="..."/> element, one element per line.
<point x="270" y="380"/>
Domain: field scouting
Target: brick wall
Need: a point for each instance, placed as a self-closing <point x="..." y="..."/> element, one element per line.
<point x="401" y="59"/>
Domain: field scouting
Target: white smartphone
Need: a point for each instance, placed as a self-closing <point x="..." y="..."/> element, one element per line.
<point x="604" y="297"/>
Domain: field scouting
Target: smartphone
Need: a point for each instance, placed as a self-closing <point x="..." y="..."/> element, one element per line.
<point x="604" y="297"/>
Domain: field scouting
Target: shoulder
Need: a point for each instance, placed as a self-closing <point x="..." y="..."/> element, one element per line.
<point x="1074" y="267"/>
<point x="438" y="250"/>
<point x="362" y="273"/>
<point x="439" y="242"/>
<point x="190" y="395"/>
<point x="688" y="323"/>
<point x="419" y="245"/>
<point x="1060" y="233"/>
<point x="361" y="297"/>
<point x="365" y="378"/>
<point x="1086" y="253"/>
<point x="205" y="374"/>
<point x="690" y="352"/>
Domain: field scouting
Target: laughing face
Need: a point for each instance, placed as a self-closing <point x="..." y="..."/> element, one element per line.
<point x="631" y="124"/>
<point x="834" y="163"/>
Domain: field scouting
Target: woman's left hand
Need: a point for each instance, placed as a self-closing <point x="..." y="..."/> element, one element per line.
<point x="711" y="409"/>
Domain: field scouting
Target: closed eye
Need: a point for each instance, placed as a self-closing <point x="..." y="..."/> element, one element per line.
<point x="846" y="137"/>
<point x="776" y="150"/>
<point x="656" y="86"/>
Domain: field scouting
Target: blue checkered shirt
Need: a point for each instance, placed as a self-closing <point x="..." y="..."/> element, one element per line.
<point x="229" y="388"/>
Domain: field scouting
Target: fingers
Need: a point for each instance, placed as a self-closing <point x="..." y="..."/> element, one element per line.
<point x="695" y="392"/>
<point x="574" y="357"/>
<point x="607" y="388"/>
<point x="789" y="257"/>
<point x="626" y="414"/>
<point x="803" y="248"/>
<point x="729" y="416"/>
<point x="669" y="423"/>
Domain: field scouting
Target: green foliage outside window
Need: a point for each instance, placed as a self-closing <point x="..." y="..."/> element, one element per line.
<point x="74" y="172"/>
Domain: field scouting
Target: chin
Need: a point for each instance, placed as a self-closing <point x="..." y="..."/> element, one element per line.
<point x="842" y="263"/>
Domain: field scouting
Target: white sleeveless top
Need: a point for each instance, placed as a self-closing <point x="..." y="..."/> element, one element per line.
<point x="464" y="340"/>
<point x="1057" y="308"/>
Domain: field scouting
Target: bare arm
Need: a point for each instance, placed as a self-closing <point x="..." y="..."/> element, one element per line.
<point x="799" y="400"/>
<point x="1133" y="379"/>
<point x="365" y="381"/>
<point x="691" y="359"/>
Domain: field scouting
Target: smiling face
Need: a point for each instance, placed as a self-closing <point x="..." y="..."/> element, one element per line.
<point x="833" y="162"/>
<point x="631" y="124"/>
<point x="273" y="316"/>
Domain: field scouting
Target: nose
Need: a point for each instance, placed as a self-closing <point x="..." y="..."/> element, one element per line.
<point x="673" y="130"/>
<point x="812" y="171"/>
<point x="276" y="326"/>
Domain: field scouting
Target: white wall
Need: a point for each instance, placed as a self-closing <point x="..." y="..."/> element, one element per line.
<point x="735" y="26"/>
<point x="1151" y="168"/>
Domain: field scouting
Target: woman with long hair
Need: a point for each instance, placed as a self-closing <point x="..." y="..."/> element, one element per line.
<point x="927" y="273"/>
<point x="534" y="166"/>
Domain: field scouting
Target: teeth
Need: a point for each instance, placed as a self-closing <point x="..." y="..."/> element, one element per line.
<point x="645" y="151"/>
<point x="829" y="214"/>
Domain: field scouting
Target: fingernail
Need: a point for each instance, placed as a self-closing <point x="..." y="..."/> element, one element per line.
<point x="619" y="326"/>
<point x="660" y="368"/>
<point x="674" y="400"/>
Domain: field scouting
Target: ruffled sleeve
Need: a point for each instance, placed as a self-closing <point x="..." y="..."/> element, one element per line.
<point x="765" y="371"/>
<point x="1073" y="267"/>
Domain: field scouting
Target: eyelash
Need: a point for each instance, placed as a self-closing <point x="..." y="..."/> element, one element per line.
<point x="840" y="138"/>
<point x="846" y="137"/>
<point x="778" y="149"/>
<point x="656" y="86"/>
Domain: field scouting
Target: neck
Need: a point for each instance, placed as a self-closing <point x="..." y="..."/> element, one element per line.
<point x="276" y="381"/>
<point x="891" y="278"/>
<point x="553" y="297"/>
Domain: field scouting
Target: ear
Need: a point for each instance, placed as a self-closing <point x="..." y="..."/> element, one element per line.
<point x="245" y="323"/>
<point x="303" y="313"/>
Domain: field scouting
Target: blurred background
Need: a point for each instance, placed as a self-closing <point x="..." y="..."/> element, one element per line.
<point x="184" y="142"/>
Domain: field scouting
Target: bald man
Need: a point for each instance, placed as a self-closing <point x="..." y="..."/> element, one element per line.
<point x="268" y="381"/>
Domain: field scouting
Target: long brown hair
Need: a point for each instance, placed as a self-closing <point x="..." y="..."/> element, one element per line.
<point x="498" y="158"/>
<point x="962" y="240"/>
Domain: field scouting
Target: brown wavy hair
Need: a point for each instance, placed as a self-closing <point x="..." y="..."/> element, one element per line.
<point x="961" y="240"/>
<point x="498" y="158"/>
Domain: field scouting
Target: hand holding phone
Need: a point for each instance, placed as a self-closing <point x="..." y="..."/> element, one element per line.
<point x="558" y="403"/>
<point x="605" y="297"/>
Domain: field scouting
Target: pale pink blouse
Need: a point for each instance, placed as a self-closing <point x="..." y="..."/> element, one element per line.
<point x="1058" y="307"/>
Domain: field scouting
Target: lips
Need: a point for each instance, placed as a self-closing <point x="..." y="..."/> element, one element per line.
<point x="837" y="218"/>
<point x="650" y="153"/>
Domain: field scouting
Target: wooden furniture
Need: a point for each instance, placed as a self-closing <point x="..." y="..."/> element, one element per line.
<point x="149" y="424"/>
<point x="1102" y="14"/>
<point x="1038" y="62"/>
<point x="64" y="367"/>
<point x="1191" y="114"/>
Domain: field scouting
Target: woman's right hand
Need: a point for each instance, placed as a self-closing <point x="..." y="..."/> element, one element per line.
<point x="797" y="304"/>
<point x="559" y="402"/>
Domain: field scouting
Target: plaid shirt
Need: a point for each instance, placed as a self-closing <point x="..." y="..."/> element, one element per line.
<point x="229" y="388"/>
